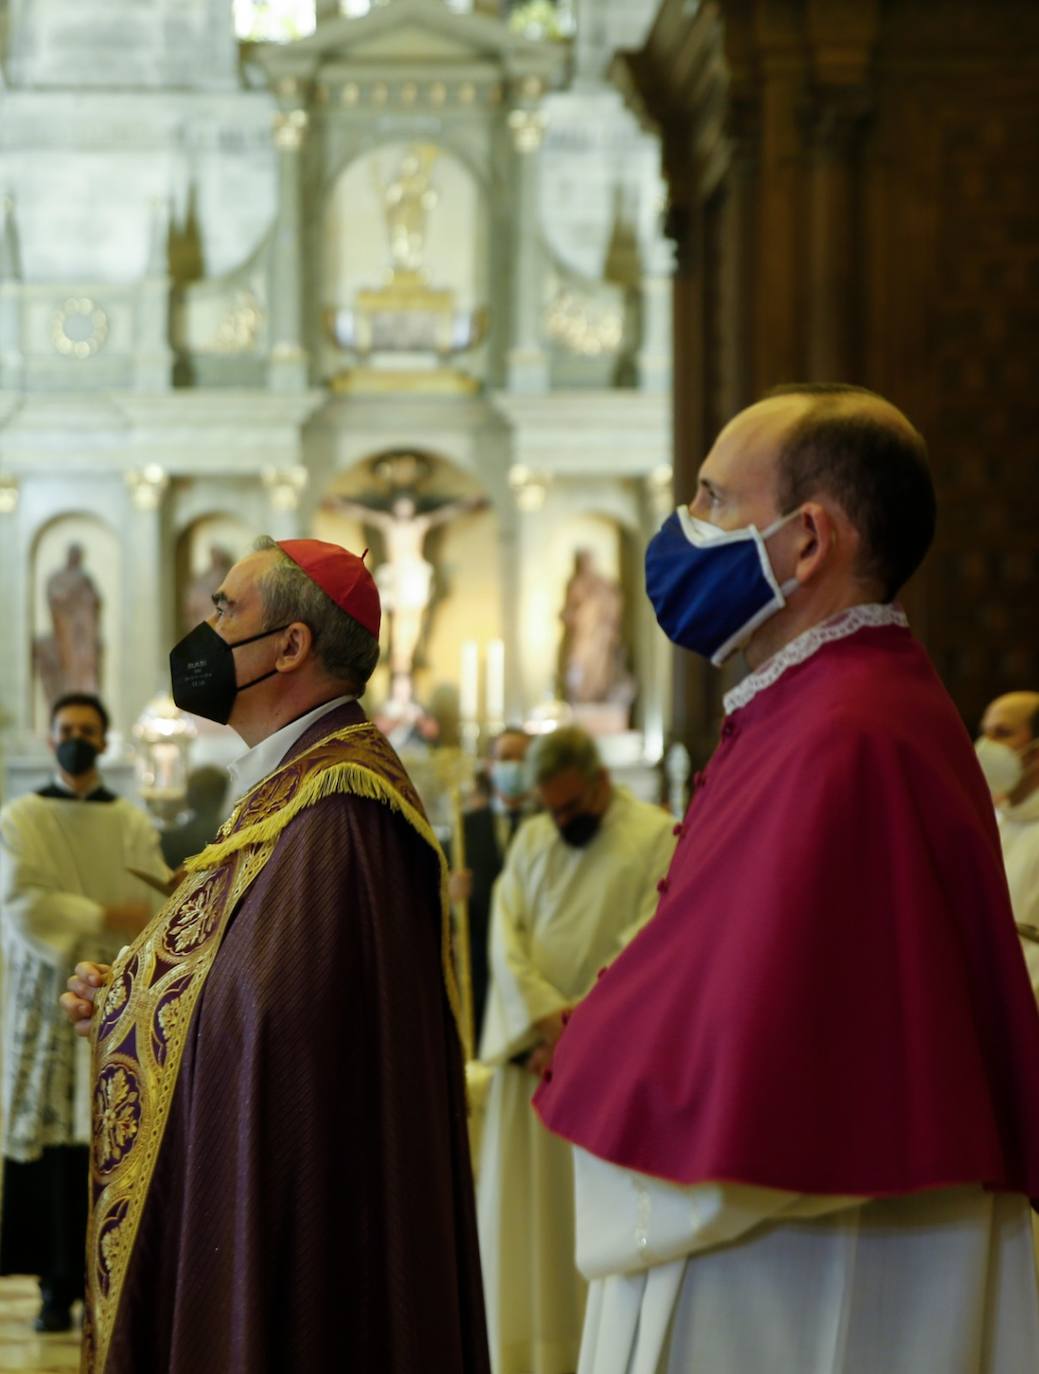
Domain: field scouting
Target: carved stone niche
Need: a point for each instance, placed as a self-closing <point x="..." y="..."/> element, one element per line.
<point x="419" y="91"/>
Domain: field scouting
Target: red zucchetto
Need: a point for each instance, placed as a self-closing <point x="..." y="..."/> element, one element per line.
<point x="340" y="575"/>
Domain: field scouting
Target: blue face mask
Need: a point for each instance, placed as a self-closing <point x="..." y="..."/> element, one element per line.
<point x="509" y="777"/>
<point x="712" y="588"/>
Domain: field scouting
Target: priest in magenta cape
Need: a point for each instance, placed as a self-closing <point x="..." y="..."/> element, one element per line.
<point x="805" y="1099"/>
<point x="280" y="1171"/>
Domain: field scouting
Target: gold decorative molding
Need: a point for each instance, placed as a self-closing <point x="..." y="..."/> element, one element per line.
<point x="290" y="129"/>
<point x="529" y="488"/>
<point x="80" y="328"/>
<point x="284" y="486"/>
<point x="147" y="486"/>
<point x="584" y="330"/>
<point x="240" y="328"/>
<point x="371" y="381"/>
<point x="9" y="492"/>
<point x="527" y="128"/>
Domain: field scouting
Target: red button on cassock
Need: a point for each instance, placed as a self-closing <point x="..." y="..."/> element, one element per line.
<point x="663" y="886"/>
<point x="678" y="829"/>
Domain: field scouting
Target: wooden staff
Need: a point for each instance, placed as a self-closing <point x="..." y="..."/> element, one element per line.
<point x="464" y="953"/>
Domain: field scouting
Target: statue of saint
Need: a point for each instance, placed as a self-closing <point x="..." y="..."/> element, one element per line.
<point x="407" y="202"/>
<point x="405" y="579"/>
<point x="592" y="655"/>
<point x="198" y="595"/>
<point x="69" y="658"/>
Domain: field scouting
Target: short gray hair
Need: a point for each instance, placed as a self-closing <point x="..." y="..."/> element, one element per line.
<point x="347" y="651"/>
<point x="563" y="749"/>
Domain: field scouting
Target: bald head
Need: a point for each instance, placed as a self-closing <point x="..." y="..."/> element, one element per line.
<point x="855" y="447"/>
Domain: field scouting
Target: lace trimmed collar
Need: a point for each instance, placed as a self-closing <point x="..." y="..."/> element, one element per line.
<point x="872" y="615"/>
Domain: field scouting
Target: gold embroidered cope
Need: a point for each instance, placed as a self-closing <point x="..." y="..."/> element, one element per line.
<point x="141" y="1024"/>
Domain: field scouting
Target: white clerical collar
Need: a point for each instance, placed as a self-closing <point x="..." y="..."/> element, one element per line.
<point x="255" y="764"/>
<point x="872" y="615"/>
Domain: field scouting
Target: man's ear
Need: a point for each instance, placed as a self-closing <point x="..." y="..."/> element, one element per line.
<point x="815" y="536"/>
<point x="297" y="647"/>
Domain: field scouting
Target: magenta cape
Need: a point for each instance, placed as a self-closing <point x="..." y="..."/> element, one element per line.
<point x="831" y="997"/>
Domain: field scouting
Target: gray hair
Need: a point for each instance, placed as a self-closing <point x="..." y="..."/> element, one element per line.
<point x="563" y="749"/>
<point x="345" y="649"/>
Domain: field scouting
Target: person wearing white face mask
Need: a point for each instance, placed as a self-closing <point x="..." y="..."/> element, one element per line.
<point x="1008" y="751"/>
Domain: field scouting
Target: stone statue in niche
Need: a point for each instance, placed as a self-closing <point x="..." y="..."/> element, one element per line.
<point x="593" y="657"/>
<point x="405" y="579"/>
<point x="69" y="658"/>
<point x="198" y="595"/>
<point x="408" y="201"/>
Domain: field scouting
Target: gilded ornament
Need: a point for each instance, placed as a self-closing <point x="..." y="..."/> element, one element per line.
<point x="117" y="1115"/>
<point x="240" y="327"/>
<point x="583" y="329"/>
<point x="80" y="328"/>
<point x="290" y="129"/>
<point x="284" y="486"/>
<point x="147" y="486"/>
<point x="528" y="129"/>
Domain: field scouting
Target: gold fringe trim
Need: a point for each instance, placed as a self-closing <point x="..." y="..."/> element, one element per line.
<point x="352" y="779"/>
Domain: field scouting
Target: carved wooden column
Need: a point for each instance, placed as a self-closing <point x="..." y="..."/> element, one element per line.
<point x="737" y="385"/>
<point x="684" y="226"/>
<point x="834" y="220"/>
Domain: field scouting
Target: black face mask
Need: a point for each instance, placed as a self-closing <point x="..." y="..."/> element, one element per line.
<point x="581" y="830"/>
<point x="76" y="756"/>
<point x="202" y="671"/>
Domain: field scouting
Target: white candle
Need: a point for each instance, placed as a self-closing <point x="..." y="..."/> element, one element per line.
<point x="496" y="683"/>
<point x="469" y="687"/>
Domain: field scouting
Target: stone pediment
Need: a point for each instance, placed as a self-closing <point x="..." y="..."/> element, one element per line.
<point x="416" y="33"/>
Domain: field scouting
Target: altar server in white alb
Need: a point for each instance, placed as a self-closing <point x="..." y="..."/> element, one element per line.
<point x="580" y="878"/>
<point x="1008" y="751"/>
<point x="66" y="894"/>
<point x="805" y="1098"/>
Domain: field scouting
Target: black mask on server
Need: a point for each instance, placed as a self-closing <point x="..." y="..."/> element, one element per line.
<point x="202" y="671"/>
<point x="76" y="756"/>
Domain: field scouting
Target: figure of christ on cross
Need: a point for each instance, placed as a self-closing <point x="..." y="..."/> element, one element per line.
<point x="405" y="579"/>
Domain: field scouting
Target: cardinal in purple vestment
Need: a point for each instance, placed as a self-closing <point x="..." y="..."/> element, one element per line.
<point x="280" y="1169"/>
